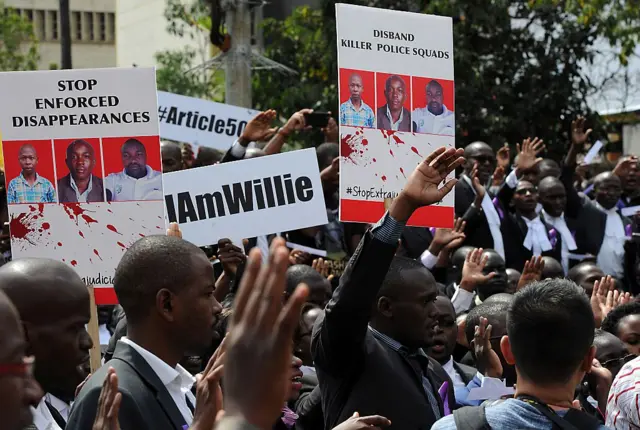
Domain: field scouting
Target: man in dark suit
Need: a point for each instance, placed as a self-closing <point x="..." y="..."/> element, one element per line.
<point x="359" y="350"/>
<point x="165" y="286"/>
<point x="393" y="115"/>
<point x="53" y="303"/>
<point x="80" y="185"/>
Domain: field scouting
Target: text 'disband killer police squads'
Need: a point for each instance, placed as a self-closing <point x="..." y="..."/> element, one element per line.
<point x="247" y="196"/>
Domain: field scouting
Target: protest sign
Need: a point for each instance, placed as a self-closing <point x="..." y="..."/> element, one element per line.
<point x="201" y="122"/>
<point x="396" y="107"/>
<point x="82" y="160"/>
<point x="246" y="198"/>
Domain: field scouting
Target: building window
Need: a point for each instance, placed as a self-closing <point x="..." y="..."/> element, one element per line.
<point x="90" y="29"/>
<point x="39" y="24"/>
<point x="28" y="13"/>
<point x="76" y="20"/>
<point x="103" y="26"/>
<point x="53" y="17"/>
<point x="111" y="17"/>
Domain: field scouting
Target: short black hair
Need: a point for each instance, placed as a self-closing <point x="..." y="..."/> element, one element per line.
<point x="326" y="152"/>
<point x="613" y="318"/>
<point x="301" y="273"/>
<point x="149" y="265"/>
<point x="550" y="326"/>
<point x="494" y="311"/>
<point x="77" y="142"/>
<point x="395" y="282"/>
<point x="387" y="84"/>
<point x="136" y="142"/>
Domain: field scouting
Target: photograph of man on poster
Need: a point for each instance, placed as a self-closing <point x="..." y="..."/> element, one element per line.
<point x="137" y="181"/>
<point x="80" y="185"/>
<point x="355" y="111"/>
<point x="434" y="118"/>
<point x="28" y="186"/>
<point x="393" y="115"/>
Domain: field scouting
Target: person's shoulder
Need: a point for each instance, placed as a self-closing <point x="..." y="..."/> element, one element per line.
<point x="446" y="423"/>
<point x="97" y="180"/>
<point x="367" y="108"/>
<point x="14" y="181"/>
<point x="154" y="174"/>
<point x="419" y="111"/>
<point x="64" y="181"/>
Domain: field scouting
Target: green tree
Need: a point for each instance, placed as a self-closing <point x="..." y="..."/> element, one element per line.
<point x="18" y="43"/>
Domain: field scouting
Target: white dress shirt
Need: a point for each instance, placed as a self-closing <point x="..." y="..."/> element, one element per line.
<point x="105" y="336"/>
<point x="611" y="252"/>
<point x="493" y="219"/>
<point x="426" y="122"/>
<point x="395" y="125"/>
<point x="125" y="188"/>
<point x="82" y="197"/>
<point x="42" y="418"/>
<point x="177" y="381"/>
<point x="568" y="242"/>
<point x="453" y="374"/>
<point x="536" y="239"/>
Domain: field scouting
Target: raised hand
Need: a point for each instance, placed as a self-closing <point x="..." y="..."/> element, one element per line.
<point x="602" y="298"/>
<point x="626" y="166"/>
<point x="487" y="361"/>
<point x="296" y="122"/>
<point x="331" y="174"/>
<point x="259" y="343"/>
<point x="423" y="186"/>
<point x="503" y="156"/>
<point x="478" y="187"/>
<point x="472" y="271"/>
<point x="259" y="128"/>
<point x="174" y="230"/>
<point x="532" y="272"/>
<point x="578" y="135"/>
<point x="356" y="422"/>
<point x="320" y="266"/>
<point x="108" y="404"/>
<point x="528" y="153"/>
<point x="498" y="176"/>
<point x="331" y="131"/>
<point x="208" y="392"/>
<point x="447" y="238"/>
<point x="297" y="256"/>
<point x="230" y="256"/>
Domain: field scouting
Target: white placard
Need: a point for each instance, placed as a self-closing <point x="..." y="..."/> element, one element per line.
<point x="308" y="250"/>
<point x="396" y="107"/>
<point x="201" y="122"/>
<point x="82" y="162"/>
<point x="593" y="152"/>
<point x="246" y="198"/>
<point x="630" y="211"/>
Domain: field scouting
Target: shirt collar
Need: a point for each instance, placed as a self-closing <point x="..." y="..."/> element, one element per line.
<point x="75" y="187"/>
<point x="394" y="344"/>
<point x="42" y="418"/>
<point x="612" y="211"/>
<point x="38" y="179"/>
<point x="362" y="106"/>
<point x="147" y="176"/>
<point x="552" y="219"/>
<point x="449" y="364"/>
<point x="166" y="373"/>
<point x="400" y="118"/>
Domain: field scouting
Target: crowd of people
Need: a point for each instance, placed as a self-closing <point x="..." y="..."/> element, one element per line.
<point x="523" y="315"/>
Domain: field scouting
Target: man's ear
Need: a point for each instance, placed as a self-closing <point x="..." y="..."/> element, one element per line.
<point x="384" y="306"/>
<point x="505" y="347"/>
<point x="588" y="360"/>
<point x="30" y="336"/>
<point x="164" y="304"/>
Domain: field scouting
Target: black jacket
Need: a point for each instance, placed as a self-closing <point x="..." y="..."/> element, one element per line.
<point x="477" y="231"/>
<point x="356" y="371"/>
<point x="309" y="405"/>
<point x="146" y="404"/>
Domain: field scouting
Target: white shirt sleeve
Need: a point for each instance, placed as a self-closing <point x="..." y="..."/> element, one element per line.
<point x="462" y="300"/>
<point x="238" y="150"/>
<point x="428" y="259"/>
<point x="512" y="179"/>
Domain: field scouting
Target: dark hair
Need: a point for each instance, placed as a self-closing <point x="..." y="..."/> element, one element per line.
<point x="149" y="265"/>
<point x="301" y="273"/>
<point x="326" y="152"/>
<point x="77" y="142"/>
<point x="495" y="312"/>
<point x="136" y="142"/>
<point x="550" y="326"/>
<point x="387" y="84"/>
<point x="395" y="282"/>
<point x="612" y="320"/>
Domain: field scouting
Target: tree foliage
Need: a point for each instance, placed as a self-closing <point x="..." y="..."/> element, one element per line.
<point x="18" y="43"/>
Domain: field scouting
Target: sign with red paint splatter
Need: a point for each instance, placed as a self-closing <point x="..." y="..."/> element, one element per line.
<point x="396" y="107"/>
<point x="82" y="162"/>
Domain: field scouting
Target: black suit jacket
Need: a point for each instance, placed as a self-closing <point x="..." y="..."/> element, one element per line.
<point x="309" y="405"/>
<point x="477" y="230"/>
<point x="66" y="194"/>
<point x="146" y="403"/>
<point x="467" y="373"/>
<point x="356" y="371"/>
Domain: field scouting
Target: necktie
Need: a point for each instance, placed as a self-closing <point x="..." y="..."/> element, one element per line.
<point x="56" y="415"/>
<point x="536" y="240"/>
<point x="420" y="363"/>
<point x="568" y="242"/>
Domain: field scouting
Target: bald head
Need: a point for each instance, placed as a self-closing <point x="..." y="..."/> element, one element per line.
<point x="11" y="337"/>
<point x="481" y="154"/>
<point x="41" y="288"/>
<point x="548" y="167"/>
<point x="552" y="268"/>
<point x="607" y="189"/>
<point x="27" y="147"/>
<point x="548" y="183"/>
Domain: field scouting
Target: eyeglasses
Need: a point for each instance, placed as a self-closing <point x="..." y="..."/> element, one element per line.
<point x="24" y="369"/>
<point x="619" y="361"/>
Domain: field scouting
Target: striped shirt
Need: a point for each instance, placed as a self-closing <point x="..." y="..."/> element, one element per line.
<point x="362" y="117"/>
<point x="19" y="191"/>
<point x="623" y="404"/>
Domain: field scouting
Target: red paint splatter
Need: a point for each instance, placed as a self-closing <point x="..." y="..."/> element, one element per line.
<point x="113" y="229"/>
<point x="74" y="263"/>
<point x="95" y="251"/>
<point x="73" y="210"/>
<point x="88" y="219"/>
<point x="109" y="210"/>
<point x="397" y="139"/>
<point x="402" y="171"/>
<point x="384" y="178"/>
<point x="122" y="245"/>
<point x="81" y="233"/>
<point x="46" y="225"/>
<point x="413" y="148"/>
<point x="391" y="152"/>
<point x="345" y="149"/>
<point x="365" y="142"/>
<point x="32" y="208"/>
<point x="141" y="235"/>
<point x="59" y="243"/>
<point x="21" y="226"/>
<point x="374" y="160"/>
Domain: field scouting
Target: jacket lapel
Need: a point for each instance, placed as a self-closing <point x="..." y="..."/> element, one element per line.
<point x="129" y="355"/>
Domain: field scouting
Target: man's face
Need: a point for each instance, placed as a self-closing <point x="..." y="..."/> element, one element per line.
<point x="499" y="283"/>
<point x="395" y="94"/>
<point x="444" y="339"/>
<point x="611" y="352"/>
<point x="81" y="161"/>
<point x="319" y="292"/>
<point x="525" y="199"/>
<point x="18" y="390"/>
<point x="434" y="99"/>
<point x="171" y="160"/>
<point x="61" y="348"/>
<point x="631" y="181"/>
<point x="28" y="160"/>
<point x="629" y="333"/>
<point x="482" y="156"/>
<point x="554" y="199"/>
<point x="513" y="277"/>
<point x="356" y="88"/>
<point x="587" y="276"/>
<point x="608" y="191"/>
<point x="134" y="160"/>
<point x="196" y="310"/>
<point x="302" y="341"/>
<point x="414" y="310"/>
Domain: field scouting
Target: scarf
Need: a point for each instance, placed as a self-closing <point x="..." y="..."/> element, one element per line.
<point x="568" y="242"/>
<point x="536" y="240"/>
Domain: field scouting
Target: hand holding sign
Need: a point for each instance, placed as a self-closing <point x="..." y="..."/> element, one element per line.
<point x="259" y="128"/>
<point x="423" y="186"/>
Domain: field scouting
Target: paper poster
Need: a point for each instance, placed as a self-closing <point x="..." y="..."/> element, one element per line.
<point x="397" y="105"/>
<point x="82" y="164"/>
<point x="247" y="198"/>
<point x="201" y="122"/>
